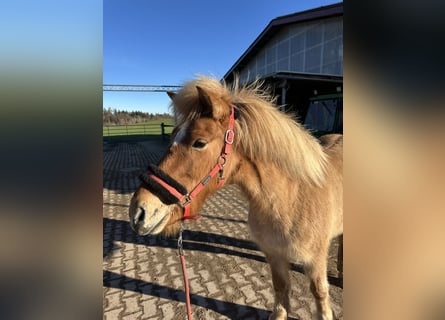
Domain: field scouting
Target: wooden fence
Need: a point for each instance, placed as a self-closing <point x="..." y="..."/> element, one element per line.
<point x="161" y="129"/>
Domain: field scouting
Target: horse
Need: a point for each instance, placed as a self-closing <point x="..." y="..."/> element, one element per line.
<point x="292" y="180"/>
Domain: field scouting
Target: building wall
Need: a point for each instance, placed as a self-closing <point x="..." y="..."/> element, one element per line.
<point x="314" y="47"/>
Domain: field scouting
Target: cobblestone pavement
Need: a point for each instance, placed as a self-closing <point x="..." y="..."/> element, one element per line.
<point x="229" y="278"/>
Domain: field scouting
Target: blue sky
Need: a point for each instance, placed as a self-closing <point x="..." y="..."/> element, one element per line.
<point x="169" y="42"/>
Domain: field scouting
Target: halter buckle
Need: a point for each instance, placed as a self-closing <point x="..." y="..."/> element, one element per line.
<point x="185" y="201"/>
<point x="230" y="135"/>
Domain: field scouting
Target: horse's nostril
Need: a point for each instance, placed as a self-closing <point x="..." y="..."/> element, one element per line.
<point x="140" y="215"/>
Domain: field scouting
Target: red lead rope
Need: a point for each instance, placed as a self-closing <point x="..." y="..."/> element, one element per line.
<point x="184" y="200"/>
<point x="184" y="273"/>
<point x="187" y="290"/>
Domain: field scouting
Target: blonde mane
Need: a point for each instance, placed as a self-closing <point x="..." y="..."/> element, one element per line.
<point x="263" y="133"/>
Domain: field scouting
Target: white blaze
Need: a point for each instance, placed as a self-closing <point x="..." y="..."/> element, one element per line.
<point x="181" y="134"/>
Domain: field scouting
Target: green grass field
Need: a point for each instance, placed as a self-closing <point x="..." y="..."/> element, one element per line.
<point x="147" y="128"/>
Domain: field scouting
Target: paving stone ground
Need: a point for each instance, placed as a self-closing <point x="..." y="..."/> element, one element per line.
<point x="228" y="275"/>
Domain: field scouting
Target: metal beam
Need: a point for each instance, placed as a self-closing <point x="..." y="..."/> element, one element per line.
<point x="140" y="87"/>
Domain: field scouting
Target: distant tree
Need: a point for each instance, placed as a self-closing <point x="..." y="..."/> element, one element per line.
<point x="122" y="117"/>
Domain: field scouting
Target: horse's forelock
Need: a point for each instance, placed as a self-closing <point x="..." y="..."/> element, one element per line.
<point x="188" y="106"/>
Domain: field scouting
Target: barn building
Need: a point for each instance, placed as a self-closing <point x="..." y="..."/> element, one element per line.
<point x="300" y="57"/>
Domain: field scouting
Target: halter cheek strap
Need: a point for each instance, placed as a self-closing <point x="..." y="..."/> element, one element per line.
<point x="170" y="191"/>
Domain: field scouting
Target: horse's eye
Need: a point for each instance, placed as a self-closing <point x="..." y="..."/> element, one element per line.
<point x="199" y="144"/>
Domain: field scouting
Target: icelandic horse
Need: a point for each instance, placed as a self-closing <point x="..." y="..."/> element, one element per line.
<point x="292" y="180"/>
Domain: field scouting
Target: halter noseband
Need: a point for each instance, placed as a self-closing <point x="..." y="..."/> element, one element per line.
<point x="170" y="191"/>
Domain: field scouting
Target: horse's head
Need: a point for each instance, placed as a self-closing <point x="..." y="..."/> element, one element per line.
<point x="197" y="148"/>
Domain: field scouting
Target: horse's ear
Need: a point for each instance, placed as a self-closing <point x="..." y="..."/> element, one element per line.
<point x="206" y="102"/>
<point x="171" y="94"/>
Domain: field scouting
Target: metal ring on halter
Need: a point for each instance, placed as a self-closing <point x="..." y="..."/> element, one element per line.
<point x="222" y="160"/>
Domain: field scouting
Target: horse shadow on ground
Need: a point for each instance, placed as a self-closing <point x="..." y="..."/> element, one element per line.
<point x="192" y="240"/>
<point x="118" y="230"/>
<point x="228" y="309"/>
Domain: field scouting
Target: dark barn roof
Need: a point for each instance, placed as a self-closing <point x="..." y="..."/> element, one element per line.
<point x="275" y="25"/>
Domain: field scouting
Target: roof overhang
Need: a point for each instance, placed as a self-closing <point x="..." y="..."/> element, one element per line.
<point x="286" y="75"/>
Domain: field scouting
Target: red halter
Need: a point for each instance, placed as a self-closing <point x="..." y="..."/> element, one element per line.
<point x="184" y="200"/>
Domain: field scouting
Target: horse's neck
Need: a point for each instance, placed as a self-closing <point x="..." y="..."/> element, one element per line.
<point x="264" y="181"/>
